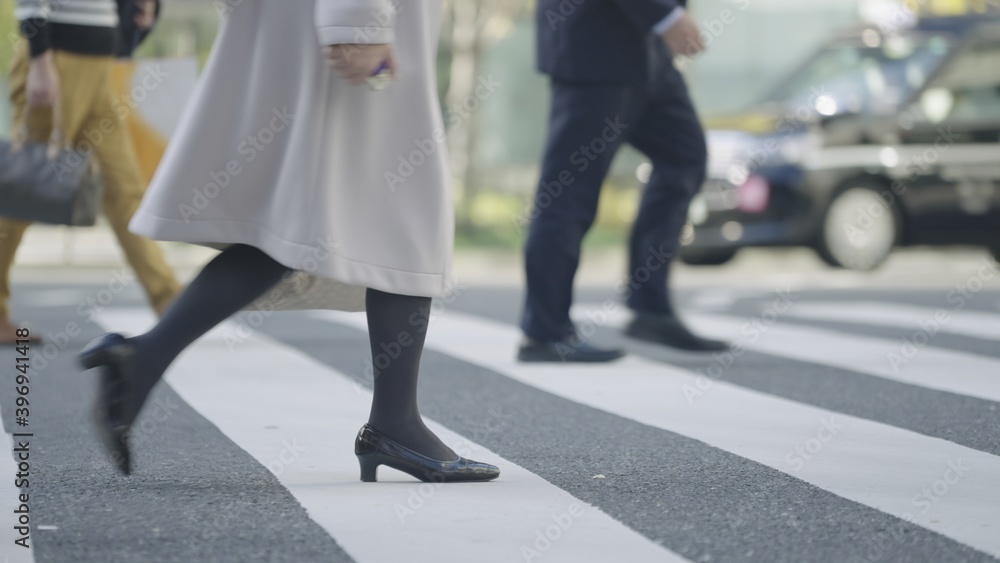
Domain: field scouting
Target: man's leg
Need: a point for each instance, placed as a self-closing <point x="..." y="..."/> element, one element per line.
<point x="588" y="124"/>
<point x="671" y="136"/>
<point x="123" y="188"/>
<point x="38" y="122"/>
<point x="11" y="231"/>
<point x="10" y="237"/>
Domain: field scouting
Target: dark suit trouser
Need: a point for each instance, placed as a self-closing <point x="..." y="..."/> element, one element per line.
<point x="588" y="124"/>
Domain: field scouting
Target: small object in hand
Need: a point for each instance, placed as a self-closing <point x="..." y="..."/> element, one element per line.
<point x="380" y="79"/>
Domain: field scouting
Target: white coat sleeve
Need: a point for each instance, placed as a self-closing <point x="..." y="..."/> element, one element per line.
<point x="356" y="21"/>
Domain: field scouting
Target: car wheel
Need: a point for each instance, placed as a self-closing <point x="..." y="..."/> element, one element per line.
<point x="859" y="230"/>
<point x="702" y="257"/>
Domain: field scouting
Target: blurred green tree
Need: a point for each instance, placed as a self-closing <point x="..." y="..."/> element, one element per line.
<point x="8" y="33"/>
<point x="470" y="28"/>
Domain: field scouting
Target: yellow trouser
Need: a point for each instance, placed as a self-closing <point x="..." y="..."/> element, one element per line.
<point x="89" y="114"/>
<point x="148" y="143"/>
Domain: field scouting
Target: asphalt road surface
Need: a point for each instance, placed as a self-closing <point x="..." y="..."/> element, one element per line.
<point x="847" y="425"/>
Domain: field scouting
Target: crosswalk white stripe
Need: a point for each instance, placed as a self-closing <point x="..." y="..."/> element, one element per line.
<point x="916" y="362"/>
<point x="317" y="412"/>
<point x="10" y="501"/>
<point x="881" y="466"/>
<point x="966" y="323"/>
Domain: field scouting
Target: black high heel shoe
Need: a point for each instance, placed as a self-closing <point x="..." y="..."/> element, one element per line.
<point x="374" y="448"/>
<point x="116" y="409"/>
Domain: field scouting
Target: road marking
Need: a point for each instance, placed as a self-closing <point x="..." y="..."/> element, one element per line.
<point x="315" y="413"/>
<point x="721" y="298"/>
<point x="914" y="364"/>
<point x="887" y="468"/>
<point x="965" y="323"/>
<point x="923" y="365"/>
<point x="57" y="297"/>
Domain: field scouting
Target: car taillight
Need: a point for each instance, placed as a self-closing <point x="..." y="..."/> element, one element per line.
<point x="753" y="195"/>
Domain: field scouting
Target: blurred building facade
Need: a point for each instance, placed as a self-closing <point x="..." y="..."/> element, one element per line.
<point x="752" y="43"/>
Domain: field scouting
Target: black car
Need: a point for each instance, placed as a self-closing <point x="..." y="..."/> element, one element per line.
<point x="882" y="139"/>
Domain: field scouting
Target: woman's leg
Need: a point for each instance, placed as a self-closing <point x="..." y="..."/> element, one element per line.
<point x="397" y="325"/>
<point x="231" y="281"/>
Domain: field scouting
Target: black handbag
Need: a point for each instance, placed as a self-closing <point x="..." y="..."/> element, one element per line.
<point x="48" y="183"/>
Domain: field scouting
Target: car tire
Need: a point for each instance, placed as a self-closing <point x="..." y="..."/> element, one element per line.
<point x="859" y="228"/>
<point x="701" y="257"/>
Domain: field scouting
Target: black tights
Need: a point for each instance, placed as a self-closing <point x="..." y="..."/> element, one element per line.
<point x="397" y="325"/>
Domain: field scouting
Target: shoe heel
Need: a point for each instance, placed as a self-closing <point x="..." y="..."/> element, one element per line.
<point x="92" y="359"/>
<point x="369" y="469"/>
<point x="102" y="351"/>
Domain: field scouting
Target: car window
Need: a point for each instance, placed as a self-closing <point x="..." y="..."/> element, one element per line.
<point x="967" y="89"/>
<point x="876" y="77"/>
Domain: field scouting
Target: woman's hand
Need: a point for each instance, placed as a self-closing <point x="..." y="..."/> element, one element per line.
<point x="358" y="62"/>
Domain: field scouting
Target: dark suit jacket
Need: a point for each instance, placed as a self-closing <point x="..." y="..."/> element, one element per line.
<point x="601" y="40"/>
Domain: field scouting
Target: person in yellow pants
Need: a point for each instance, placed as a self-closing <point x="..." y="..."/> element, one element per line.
<point x="148" y="143"/>
<point x="80" y="82"/>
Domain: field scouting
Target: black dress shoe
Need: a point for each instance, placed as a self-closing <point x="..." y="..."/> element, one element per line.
<point x="572" y="349"/>
<point x="670" y="331"/>
<point x="374" y="448"/>
<point x="116" y="408"/>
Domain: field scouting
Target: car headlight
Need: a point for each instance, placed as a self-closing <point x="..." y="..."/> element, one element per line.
<point x="698" y="211"/>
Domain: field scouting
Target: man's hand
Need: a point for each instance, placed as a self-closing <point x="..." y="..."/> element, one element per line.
<point x="358" y="62"/>
<point x="145" y="14"/>
<point x="684" y="38"/>
<point x="43" y="81"/>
